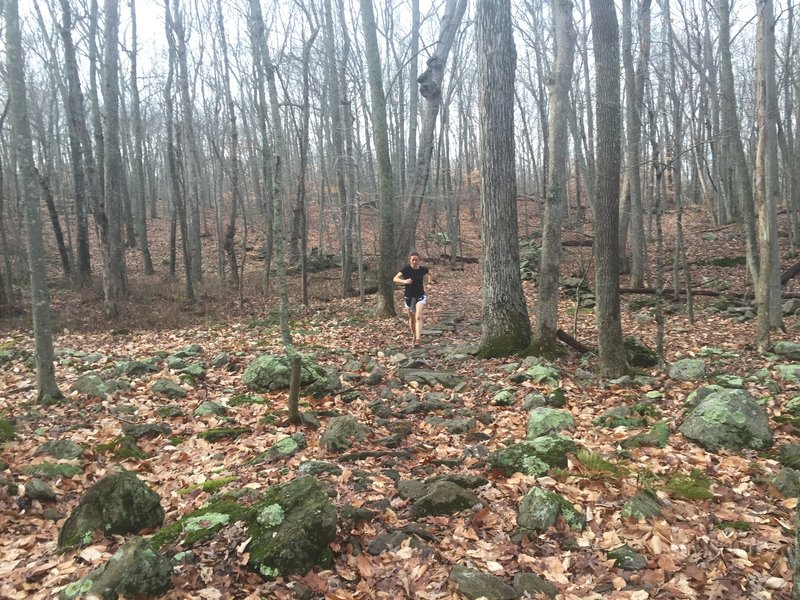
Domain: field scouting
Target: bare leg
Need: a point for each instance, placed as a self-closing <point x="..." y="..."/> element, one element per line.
<point x="411" y="321"/>
<point x="420" y="311"/>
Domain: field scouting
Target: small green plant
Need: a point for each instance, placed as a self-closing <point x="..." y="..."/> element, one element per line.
<point x="211" y="485"/>
<point x="597" y="464"/>
<point x="695" y="486"/>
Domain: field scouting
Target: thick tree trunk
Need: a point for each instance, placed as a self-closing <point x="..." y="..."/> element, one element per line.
<point x="506" y="326"/>
<point x="612" y="360"/>
<point x="380" y="132"/>
<point x="556" y="198"/>
<point x="47" y="388"/>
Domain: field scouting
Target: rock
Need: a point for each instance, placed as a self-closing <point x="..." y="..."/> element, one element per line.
<point x="119" y="503"/>
<point x="639" y="354"/>
<point x="189" y="351"/>
<point x="546" y="421"/>
<point x="687" y="369"/>
<point x="539" y="509"/>
<point x="533" y="457"/>
<point x="168" y="388"/>
<point x="443" y="498"/>
<point x="134" y="571"/>
<point x="142" y="430"/>
<point x="546" y="374"/>
<point x="295" y="524"/>
<point x="788" y="349"/>
<point x="411" y="489"/>
<point x="318" y="467"/>
<point x="791" y="307"/>
<point x="469" y="482"/>
<point x="642" y="505"/>
<point x="283" y="449"/>
<point x="697" y="396"/>
<point x="528" y="585"/>
<point x="342" y="432"/>
<point x="63" y="449"/>
<point x="789" y="372"/>
<point x="787" y="482"/>
<point x="447" y="379"/>
<point x="91" y="385"/>
<point x="210" y="408"/>
<point x="474" y="584"/>
<point x="36" y="489"/>
<point x="132" y="368"/>
<point x="729" y="419"/>
<point x="269" y="372"/>
<point x="504" y="397"/>
<point x="657" y="437"/>
<point x="627" y="559"/>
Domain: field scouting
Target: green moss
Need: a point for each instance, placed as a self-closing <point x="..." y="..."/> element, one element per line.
<point x="271" y="515"/>
<point x="51" y="470"/>
<point x="223" y="433"/>
<point x="695" y="486"/>
<point x="78" y="588"/>
<point x="6" y="431"/>
<point x="506" y="345"/>
<point x="208" y="486"/>
<point x="735" y="525"/>
<point x="247" y="399"/>
<point x="595" y="463"/>
<point x="169" y="534"/>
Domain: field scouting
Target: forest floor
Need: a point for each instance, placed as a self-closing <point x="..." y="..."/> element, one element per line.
<point x="737" y="544"/>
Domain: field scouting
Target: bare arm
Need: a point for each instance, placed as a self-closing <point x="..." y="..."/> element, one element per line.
<point x="399" y="279"/>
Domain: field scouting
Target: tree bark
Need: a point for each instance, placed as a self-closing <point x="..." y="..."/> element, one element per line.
<point x="556" y="198"/>
<point x="506" y="326"/>
<point x="380" y="133"/>
<point x="47" y="388"/>
<point x="612" y="362"/>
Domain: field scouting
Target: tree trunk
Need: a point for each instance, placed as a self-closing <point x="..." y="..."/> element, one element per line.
<point x="139" y="182"/>
<point x="506" y="327"/>
<point x="430" y="88"/>
<point x="47" y="388"/>
<point x="766" y="178"/>
<point x="605" y="34"/>
<point x="116" y="279"/>
<point x="380" y="132"/>
<point x="556" y="198"/>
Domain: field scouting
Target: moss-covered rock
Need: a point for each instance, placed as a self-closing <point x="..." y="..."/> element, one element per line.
<point x="168" y="388"/>
<point x="546" y="421"/>
<point x="533" y="457"/>
<point x="119" y="504"/>
<point x="269" y="372"/>
<point x="134" y="571"/>
<point x="627" y="559"/>
<point x="687" y="369"/>
<point x="342" y="432"/>
<point x="642" y="505"/>
<point x="295" y="523"/>
<point x="728" y="418"/>
<point x="6" y="431"/>
<point x="539" y="510"/>
<point x="61" y="449"/>
<point x="639" y="354"/>
<point x="474" y="584"/>
<point x="443" y="498"/>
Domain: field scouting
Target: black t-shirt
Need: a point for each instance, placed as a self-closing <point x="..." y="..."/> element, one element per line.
<point x="415" y="289"/>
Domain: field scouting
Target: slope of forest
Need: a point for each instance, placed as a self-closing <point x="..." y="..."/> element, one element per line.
<point x="735" y="544"/>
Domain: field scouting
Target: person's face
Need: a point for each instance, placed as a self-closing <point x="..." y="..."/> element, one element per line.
<point x="414" y="261"/>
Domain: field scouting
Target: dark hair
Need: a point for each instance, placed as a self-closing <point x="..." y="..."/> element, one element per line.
<point x="414" y="253"/>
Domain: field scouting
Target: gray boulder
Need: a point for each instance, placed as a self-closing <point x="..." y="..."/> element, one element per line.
<point x="788" y="349"/>
<point x="269" y="372"/>
<point x="687" y="369"/>
<point x="443" y="498"/>
<point x="118" y="504"/>
<point x="728" y="418"/>
<point x="539" y="509"/>
<point x="546" y="421"/>
<point x="533" y="457"/>
<point x="295" y="523"/>
<point x="474" y="584"/>
<point x="342" y="433"/>
<point x="134" y="571"/>
<point x="788" y="372"/>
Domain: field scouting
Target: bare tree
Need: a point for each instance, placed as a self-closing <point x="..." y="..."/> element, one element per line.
<point x="506" y="328"/>
<point x="556" y="198"/>
<point x="47" y="388"/>
<point x="768" y="287"/>
<point x="605" y="33"/>
<point x="380" y="132"/>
